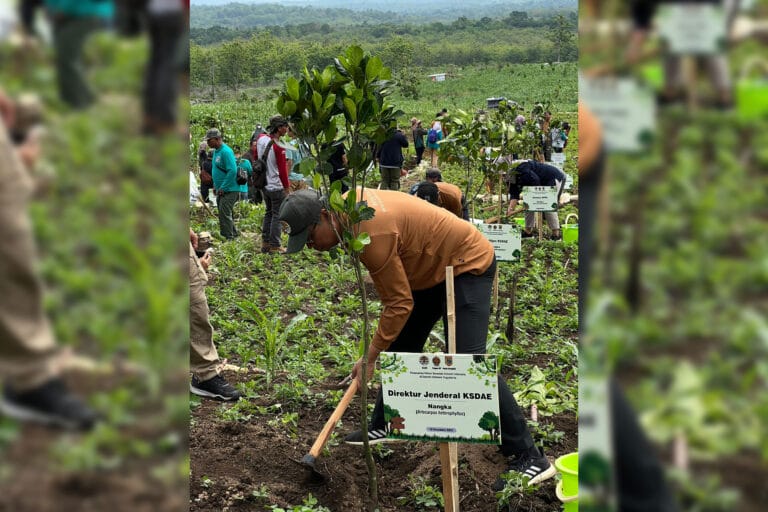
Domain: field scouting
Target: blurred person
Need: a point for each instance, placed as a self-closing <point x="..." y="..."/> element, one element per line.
<point x="254" y="194"/>
<point x="27" y="15"/>
<point x="243" y="163"/>
<point x="418" y="132"/>
<point x="412" y="291"/>
<point x="390" y="157"/>
<point x="204" y="359"/>
<point x="338" y="162"/>
<point x="559" y="136"/>
<point x="224" y="176"/>
<point x="640" y="481"/>
<point x="530" y="173"/>
<point x="440" y="193"/>
<point x="206" y="176"/>
<point x="166" y="26"/>
<point x="30" y="361"/>
<point x="278" y="186"/>
<point x="73" y="22"/>
<point x="434" y="136"/>
<point x="642" y="12"/>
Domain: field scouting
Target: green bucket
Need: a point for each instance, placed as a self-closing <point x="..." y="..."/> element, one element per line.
<point x="570" y="504"/>
<point x="568" y="466"/>
<point x="571" y="231"/>
<point x="653" y="75"/>
<point x="752" y="92"/>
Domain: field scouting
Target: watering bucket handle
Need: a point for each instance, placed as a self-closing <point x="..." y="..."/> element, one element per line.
<point x="569" y="216"/>
<point x="751" y="63"/>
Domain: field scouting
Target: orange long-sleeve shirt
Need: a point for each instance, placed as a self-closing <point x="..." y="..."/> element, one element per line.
<point x="450" y="198"/>
<point x="411" y="244"/>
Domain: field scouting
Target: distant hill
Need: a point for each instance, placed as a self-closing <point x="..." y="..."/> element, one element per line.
<point x="257" y="13"/>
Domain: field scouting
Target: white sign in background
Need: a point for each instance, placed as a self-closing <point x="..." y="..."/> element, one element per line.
<point x="506" y="239"/>
<point x="625" y="109"/>
<point x="441" y="397"/>
<point x="692" y="29"/>
<point x="540" y="199"/>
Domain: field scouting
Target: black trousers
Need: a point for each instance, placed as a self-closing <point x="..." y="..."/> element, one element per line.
<point x="163" y="75"/>
<point x="473" y="307"/>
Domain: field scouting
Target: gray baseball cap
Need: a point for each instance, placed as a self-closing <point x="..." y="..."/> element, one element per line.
<point x="213" y="133"/>
<point x="300" y="210"/>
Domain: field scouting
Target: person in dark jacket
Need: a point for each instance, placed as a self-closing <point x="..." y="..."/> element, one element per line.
<point x="535" y="174"/>
<point x="338" y="162"/>
<point x="390" y="156"/>
<point x="674" y="87"/>
<point x="418" y="133"/>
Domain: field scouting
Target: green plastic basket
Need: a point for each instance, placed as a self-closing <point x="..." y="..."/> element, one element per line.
<point x="520" y="221"/>
<point x="571" y="231"/>
<point x="752" y="93"/>
<point x="568" y="466"/>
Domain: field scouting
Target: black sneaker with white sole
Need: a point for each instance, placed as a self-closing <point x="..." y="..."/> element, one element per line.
<point x="537" y="469"/>
<point x="216" y="387"/>
<point x="375" y="436"/>
<point x="49" y="404"/>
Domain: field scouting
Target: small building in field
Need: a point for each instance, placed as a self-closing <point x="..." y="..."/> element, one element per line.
<point x="438" y="77"/>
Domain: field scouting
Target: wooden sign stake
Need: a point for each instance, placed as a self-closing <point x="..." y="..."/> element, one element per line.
<point x="449" y="454"/>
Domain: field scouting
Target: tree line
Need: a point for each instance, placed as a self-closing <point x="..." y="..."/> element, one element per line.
<point x="241" y="15"/>
<point x="266" y="55"/>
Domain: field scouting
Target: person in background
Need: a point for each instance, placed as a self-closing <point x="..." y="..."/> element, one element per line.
<point x="390" y="157"/>
<point x="440" y="193"/>
<point x="166" y="25"/>
<point x="412" y="290"/>
<point x="674" y="86"/>
<point x="224" y="182"/>
<point x="30" y="360"/>
<point x="206" y="176"/>
<point x="434" y="136"/>
<point x="204" y="362"/>
<point x="278" y="185"/>
<point x="254" y="194"/>
<point x="73" y="23"/>
<point x="530" y="173"/>
<point x="338" y="162"/>
<point x="418" y="132"/>
<point x="244" y="163"/>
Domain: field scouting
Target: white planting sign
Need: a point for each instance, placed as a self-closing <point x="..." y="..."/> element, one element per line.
<point x="626" y="110"/>
<point x="441" y="397"/>
<point x="540" y="199"/>
<point x="505" y="238"/>
<point x="692" y="29"/>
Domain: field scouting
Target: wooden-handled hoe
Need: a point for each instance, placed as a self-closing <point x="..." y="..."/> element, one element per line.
<point x="310" y="458"/>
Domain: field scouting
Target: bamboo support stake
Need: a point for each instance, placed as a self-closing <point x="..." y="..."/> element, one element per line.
<point x="540" y="224"/>
<point x="449" y="453"/>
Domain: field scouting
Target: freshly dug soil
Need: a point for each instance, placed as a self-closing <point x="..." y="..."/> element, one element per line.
<point x="231" y="460"/>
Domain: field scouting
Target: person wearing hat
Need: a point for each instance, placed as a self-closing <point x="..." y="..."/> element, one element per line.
<point x="411" y="286"/>
<point x="224" y="182"/>
<point x="30" y="359"/>
<point x="442" y="194"/>
<point x="278" y="185"/>
<point x="418" y="133"/>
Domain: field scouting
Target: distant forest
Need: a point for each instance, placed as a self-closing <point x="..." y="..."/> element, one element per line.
<point x="247" y="15"/>
<point x="237" y="58"/>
